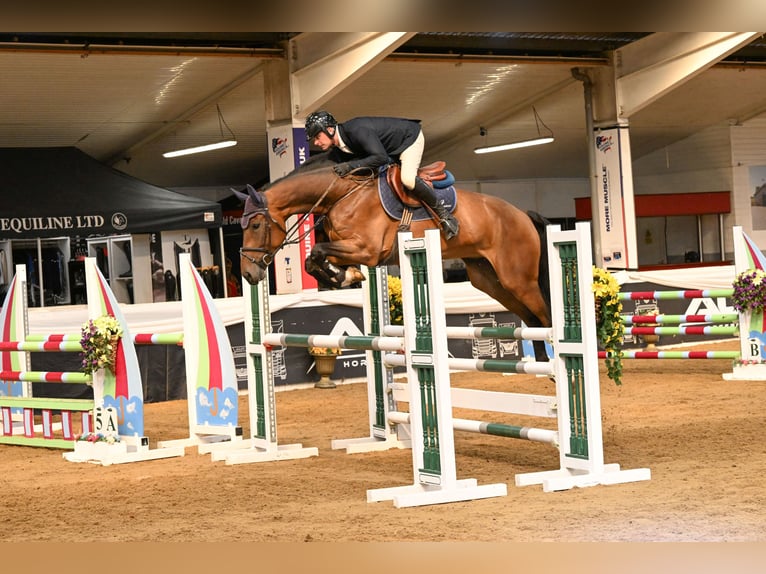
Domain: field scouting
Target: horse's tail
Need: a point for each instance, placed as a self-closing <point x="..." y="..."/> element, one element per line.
<point x="543" y="277"/>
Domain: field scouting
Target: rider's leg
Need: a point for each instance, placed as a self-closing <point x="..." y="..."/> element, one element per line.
<point x="410" y="162"/>
<point x="425" y="193"/>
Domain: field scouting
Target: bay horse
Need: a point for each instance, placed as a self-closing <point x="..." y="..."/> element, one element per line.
<point x="503" y="248"/>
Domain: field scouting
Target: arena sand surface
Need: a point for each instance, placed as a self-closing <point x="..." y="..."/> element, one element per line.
<point x="701" y="437"/>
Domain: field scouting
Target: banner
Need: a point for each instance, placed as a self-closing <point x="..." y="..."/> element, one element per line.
<point x="289" y="149"/>
<point x="616" y="218"/>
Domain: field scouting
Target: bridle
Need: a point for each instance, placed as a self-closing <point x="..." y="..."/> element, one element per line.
<point x="268" y="257"/>
<point x="292" y="236"/>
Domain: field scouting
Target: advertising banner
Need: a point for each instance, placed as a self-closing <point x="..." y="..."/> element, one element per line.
<point x="288" y="149"/>
<point x="616" y="218"/>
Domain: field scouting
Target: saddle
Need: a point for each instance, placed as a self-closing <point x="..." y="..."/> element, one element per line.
<point x="434" y="174"/>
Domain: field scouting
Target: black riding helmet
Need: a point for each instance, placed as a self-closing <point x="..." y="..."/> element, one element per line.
<point x="319" y="122"/>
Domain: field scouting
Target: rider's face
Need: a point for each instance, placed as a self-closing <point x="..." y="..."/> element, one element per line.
<point x="323" y="141"/>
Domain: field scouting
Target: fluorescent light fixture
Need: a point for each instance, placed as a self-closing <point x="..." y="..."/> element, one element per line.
<point x="200" y="148"/>
<point x="539" y="140"/>
<point x="515" y="145"/>
<point x="232" y="141"/>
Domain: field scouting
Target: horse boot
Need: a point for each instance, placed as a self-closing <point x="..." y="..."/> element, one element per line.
<point x="424" y="193"/>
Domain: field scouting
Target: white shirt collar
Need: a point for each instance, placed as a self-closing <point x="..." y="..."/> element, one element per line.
<point x="341" y="144"/>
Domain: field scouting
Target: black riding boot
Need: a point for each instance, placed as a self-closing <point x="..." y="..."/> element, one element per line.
<point x="424" y="193"/>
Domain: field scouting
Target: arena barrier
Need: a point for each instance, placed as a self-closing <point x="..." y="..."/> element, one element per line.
<point x="118" y="394"/>
<point x="424" y="346"/>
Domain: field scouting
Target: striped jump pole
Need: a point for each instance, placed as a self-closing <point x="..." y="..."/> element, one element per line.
<point x="730" y="355"/>
<point x="715" y="318"/>
<point x="138" y="338"/>
<point x="485" y="365"/>
<point x="496" y="429"/>
<point x="679" y="294"/>
<point x="46" y="376"/>
<point x="331" y="341"/>
<point x="519" y="333"/>
<point x="687" y="330"/>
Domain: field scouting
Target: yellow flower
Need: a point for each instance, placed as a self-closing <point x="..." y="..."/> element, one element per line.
<point x="395" y="300"/>
<point x="609" y="326"/>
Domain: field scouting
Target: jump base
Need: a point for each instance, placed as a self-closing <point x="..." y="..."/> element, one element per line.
<point x="555" y="480"/>
<point x="421" y="495"/>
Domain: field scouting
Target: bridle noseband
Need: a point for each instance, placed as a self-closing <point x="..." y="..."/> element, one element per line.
<point x="268" y="257"/>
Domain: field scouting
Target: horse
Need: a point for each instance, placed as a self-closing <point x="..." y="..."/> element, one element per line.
<point x="503" y="248"/>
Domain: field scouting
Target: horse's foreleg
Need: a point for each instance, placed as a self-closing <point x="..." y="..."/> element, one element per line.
<point x="335" y="275"/>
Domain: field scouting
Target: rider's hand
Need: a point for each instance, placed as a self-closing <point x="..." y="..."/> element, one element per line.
<point x="342" y="169"/>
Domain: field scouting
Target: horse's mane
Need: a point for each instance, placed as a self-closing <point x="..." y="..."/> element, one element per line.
<point x="314" y="163"/>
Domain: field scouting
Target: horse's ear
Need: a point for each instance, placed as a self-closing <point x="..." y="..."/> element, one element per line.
<point x="257" y="197"/>
<point x="241" y="196"/>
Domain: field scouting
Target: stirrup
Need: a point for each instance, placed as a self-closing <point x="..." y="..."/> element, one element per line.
<point x="450" y="227"/>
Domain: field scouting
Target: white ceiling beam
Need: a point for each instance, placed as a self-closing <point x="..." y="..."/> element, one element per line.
<point x="651" y="67"/>
<point x="323" y="63"/>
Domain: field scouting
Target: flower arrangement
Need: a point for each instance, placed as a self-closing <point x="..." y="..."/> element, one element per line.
<point x="324" y="351"/>
<point x="99" y="343"/>
<point x="750" y="291"/>
<point x="395" y="300"/>
<point x="98" y="437"/>
<point x="609" y="326"/>
<point x="743" y="362"/>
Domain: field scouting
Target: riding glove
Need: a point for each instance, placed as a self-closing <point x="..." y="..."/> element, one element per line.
<point x="342" y="169"/>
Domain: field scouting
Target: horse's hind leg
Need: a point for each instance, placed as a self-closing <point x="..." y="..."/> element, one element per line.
<point x="526" y="301"/>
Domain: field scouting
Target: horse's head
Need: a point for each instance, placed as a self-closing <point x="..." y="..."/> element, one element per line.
<point x="312" y="189"/>
<point x="262" y="236"/>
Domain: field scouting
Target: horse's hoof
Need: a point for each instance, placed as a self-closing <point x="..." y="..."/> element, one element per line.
<point x="352" y="277"/>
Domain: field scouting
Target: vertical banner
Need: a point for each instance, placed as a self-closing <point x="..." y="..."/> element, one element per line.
<point x="616" y="216"/>
<point x="289" y="149"/>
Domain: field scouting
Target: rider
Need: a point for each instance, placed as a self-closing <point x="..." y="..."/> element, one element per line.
<point x="376" y="141"/>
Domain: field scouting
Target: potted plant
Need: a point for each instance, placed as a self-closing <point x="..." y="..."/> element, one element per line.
<point x="100" y="338"/>
<point x="645" y="310"/>
<point x="324" y="361"/>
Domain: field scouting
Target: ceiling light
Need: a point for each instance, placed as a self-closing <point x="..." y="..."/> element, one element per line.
<point x="539" y="140"/>
<point x="231" y="141"/>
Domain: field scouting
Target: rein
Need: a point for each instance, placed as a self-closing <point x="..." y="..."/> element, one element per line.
<point x="268" y="256"/>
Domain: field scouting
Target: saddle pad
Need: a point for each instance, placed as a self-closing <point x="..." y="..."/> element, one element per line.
<point x="394" y="208"/>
